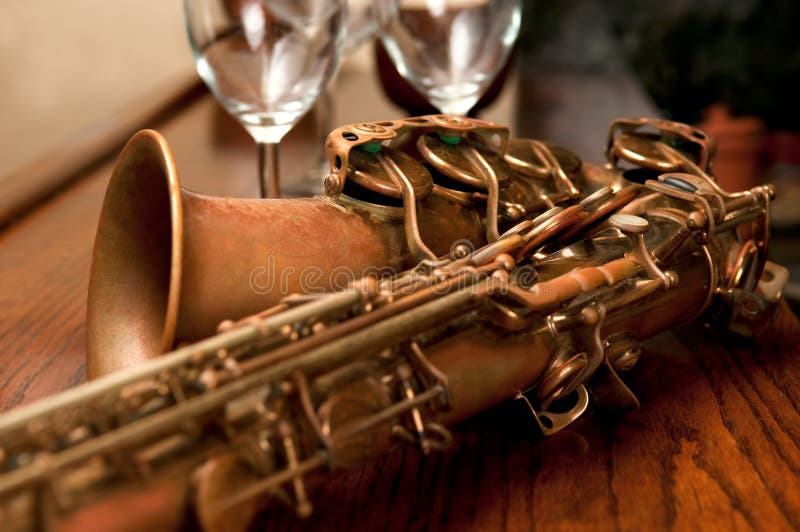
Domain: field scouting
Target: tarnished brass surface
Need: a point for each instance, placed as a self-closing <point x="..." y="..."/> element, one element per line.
<point x="370" y="174"/>
<point x="496" y="293"/>
<point x="169" y="264"/>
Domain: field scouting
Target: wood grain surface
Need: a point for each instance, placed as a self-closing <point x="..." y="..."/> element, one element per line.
<point x="715" y="445"/>
<point x="71" y="160"/>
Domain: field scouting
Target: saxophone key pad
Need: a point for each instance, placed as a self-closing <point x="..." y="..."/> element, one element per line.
<point x="460" y="160"/>
<point x="377" y="172"/>
<point x="644" y="152"/>
<point x="523" y="157"/>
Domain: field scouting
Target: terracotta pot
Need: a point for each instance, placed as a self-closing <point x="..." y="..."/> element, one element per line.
<point x="741" y="141"/>
<point x="783" y="147"/>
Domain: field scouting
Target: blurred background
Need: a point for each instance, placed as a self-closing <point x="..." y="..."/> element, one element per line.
<point x="732" y="66"/>
<point x="69" y="64"/>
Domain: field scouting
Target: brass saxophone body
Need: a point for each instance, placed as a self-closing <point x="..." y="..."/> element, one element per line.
<point x="563" y="270"/>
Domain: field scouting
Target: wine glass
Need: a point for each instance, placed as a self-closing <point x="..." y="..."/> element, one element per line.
<point x="449" y="50"/>
<point x="266" y="61"/>
<point x="361" y="27"/>
<point x="361" y="23"/>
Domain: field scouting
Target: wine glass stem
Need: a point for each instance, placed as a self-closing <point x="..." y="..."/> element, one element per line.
<point x="269" y="181"/>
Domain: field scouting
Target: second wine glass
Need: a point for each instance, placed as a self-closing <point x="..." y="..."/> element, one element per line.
<point x="266" y="61"/>
<point x="449" y="50"/>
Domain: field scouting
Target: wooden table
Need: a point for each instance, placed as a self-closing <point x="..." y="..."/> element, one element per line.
<point x="716" y="443"/>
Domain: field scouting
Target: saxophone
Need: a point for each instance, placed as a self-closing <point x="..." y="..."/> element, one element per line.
<point x="563" y="270"/>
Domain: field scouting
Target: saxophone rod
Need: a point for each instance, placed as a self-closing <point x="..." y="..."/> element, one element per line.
<point x="19" y="418"/>
<point x="344" y="342"/>
<point x="346" y="348"/>
<point x="407" y="317"/>
<point x="361" y="343"/>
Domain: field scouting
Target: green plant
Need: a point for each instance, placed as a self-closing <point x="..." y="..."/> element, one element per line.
<point x="699" y="55"/>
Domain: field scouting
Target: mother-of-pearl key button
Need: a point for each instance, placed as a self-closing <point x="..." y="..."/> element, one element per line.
<point x="629" y="223"/>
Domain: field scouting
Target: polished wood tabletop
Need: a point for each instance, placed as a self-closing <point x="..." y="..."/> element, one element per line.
<point x="715" y="444"/>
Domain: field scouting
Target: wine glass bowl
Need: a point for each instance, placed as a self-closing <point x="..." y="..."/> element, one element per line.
<point x="449" y="50"/>
<point x="266" y="61"/>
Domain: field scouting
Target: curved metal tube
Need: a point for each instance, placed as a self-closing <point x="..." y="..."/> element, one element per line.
<point x="169" y="265"/>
